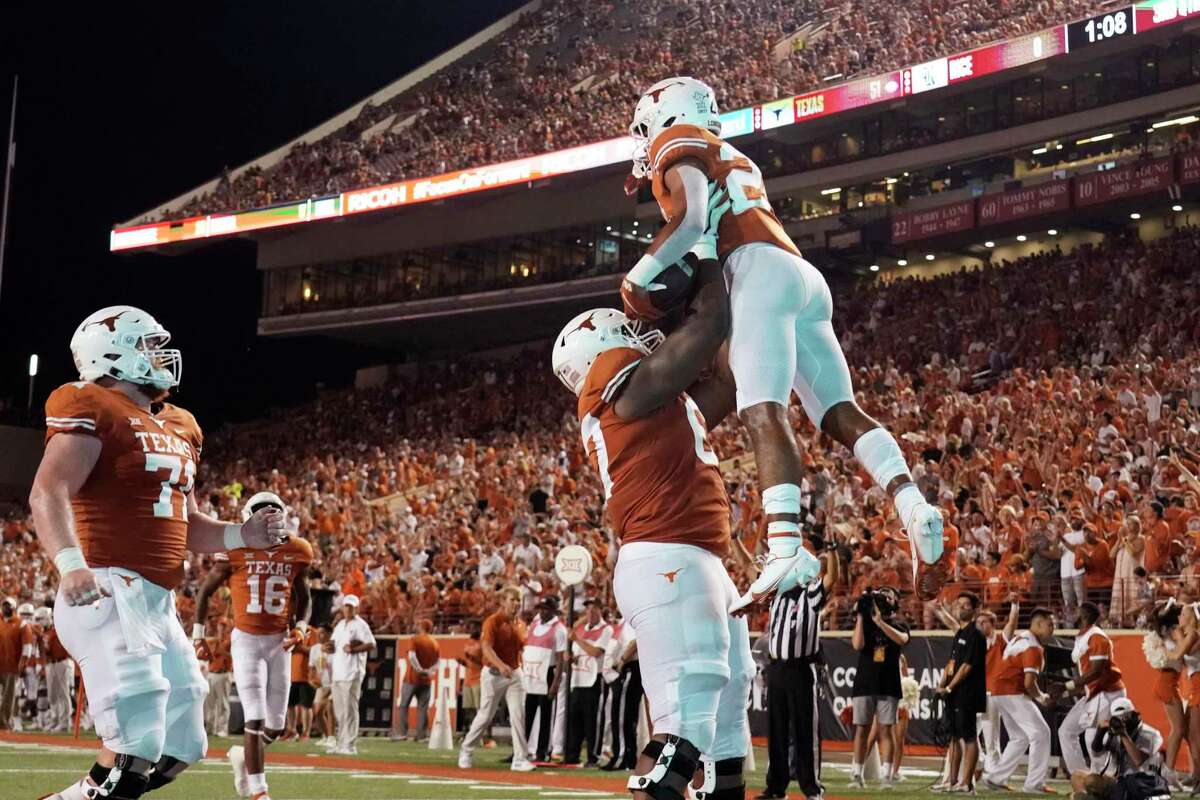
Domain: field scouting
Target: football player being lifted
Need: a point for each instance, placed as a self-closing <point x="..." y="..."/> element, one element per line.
<point x="781" y="339"/>
<point x="642" y="416"/>
<point x="269" y="591"/>
<point x="114" y="509"/>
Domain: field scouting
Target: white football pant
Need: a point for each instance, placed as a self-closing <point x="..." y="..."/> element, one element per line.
<point x="695" y="658"/>
<point x="262" y="671"/>
<point x="782" y="339"/>
<point x="1027" y="731"/>
<point x="1084" y="718"/>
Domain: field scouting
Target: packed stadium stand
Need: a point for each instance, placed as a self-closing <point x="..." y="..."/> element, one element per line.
<point x="1058" y="391"/>
<point x="566" y="74"/>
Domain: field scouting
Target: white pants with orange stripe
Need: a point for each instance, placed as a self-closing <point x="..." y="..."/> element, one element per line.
<point x="262" y="671"/>
<point x="782" y="338"/>
<point x="1084" y="718"/>
<point x="695" y="658"/>
<point x="1027" y="731"/>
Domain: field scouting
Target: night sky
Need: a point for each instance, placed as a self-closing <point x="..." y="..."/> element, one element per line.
<point x="121" y="110"/>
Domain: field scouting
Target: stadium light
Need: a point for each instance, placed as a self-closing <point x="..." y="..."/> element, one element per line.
<point x="1135" y="215"/>
<point x="1188" y="120"/>
<point x="1099" y="138"/>
<point x="1022" y="237"/>
<point x="1039" y="151"/>
<point x="903" y="262"/>
<point x="635" y="223"/>
<point x="834" y="190"/>
<point x="608" y="228"/>
<point x="1177" y="207"/>
<point x="874" y="268"/>
<point x="929" y="256"/>
<point x="989" y="243"/>
<point x="33" y="365"/>
<point x="1053" y="232"/>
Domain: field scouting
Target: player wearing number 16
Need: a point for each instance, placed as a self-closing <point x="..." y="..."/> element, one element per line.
<point x="270" y="617"/>
<point x="113" y="506"/>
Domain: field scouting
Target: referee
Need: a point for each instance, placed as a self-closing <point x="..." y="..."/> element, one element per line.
<point x="794" y="650"/>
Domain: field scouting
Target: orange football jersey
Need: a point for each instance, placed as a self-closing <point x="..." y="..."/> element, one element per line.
<point x="750" y="219"/>
<point x="261" y="585"/>
<point x="995" y="654"/>
<point x="661" y="479"/>
<point x="132" y="510"/>
<point x="1010" y="673"/>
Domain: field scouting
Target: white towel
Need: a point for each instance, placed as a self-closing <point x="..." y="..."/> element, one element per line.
<point x="128" y="590"/>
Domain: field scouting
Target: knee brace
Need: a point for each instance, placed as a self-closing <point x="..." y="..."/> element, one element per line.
<point x="675" y="763"/>
<point x="125" y="780"/>
<point x="723" y="780"/>
<point x="699" y="692"/>
<point x="165" y="771"/>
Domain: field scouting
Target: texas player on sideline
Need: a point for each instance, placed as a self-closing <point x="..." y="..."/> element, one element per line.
<point x="270" y="592"/>
<point x="642" y="417"/>
<point x="782" y="337"/>
<point x="113" y="506"/>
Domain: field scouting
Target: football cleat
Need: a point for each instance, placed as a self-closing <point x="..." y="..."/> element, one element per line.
<point x="930" y="580"/>
<point x="237" y="760"/>
<point x="924" y="528"/>
<point x="781" y="572"/>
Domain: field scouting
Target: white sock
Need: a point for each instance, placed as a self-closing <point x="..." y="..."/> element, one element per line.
<point x="885" y="770"/>
<point x="855" y="769"/>
<point x="256" y="782"/>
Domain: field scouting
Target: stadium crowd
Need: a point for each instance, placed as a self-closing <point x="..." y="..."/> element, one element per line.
<point x="566" y="75"/>
<point x="1055" y="423"/>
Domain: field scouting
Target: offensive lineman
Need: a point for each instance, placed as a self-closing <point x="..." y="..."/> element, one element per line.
<point x="782" y="338"/>
<point x="270" y="590"/>
<point x="114" y="509"/>
<point x="643" y="421"/>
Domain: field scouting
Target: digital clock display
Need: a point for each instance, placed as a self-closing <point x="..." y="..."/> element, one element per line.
<point x="1102" y="28"/>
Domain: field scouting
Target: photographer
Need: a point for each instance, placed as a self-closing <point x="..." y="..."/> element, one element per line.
<point x="1125" y="757"/>
<point x="878" y="638"/>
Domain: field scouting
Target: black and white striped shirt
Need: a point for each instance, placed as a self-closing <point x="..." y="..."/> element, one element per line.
<point x="796" y="622"/>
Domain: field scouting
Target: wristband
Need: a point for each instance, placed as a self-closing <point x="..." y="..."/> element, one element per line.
<point x="645" y="270"/>
<point x="1070" y="686"/>
<point x="302" y="626"/>
<point x="233" y="537"/>
<point x="69" y="559"/>
<point x="197" y="631"/>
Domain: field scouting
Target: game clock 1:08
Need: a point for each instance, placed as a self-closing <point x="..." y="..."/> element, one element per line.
<point x="1102" y="28"/>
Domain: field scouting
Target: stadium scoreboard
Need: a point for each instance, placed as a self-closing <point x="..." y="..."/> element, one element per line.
<point x="1101" y="28"/>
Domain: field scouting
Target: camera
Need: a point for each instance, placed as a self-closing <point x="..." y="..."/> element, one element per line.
<point x="875" y="598"/>
<point x="1125" y="725"/>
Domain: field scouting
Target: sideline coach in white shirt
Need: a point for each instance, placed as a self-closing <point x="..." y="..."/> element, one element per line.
<point x="351" y="641"/>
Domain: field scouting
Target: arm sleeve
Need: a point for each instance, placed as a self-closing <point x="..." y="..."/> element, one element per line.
<point x="681" y="233"/>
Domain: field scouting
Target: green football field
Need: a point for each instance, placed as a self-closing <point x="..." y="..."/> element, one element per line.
<point x="384" y="770"/>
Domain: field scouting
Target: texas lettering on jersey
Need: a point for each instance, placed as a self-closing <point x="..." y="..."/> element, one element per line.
<point x="261" y="585"/>
<point x="749" y="218"/>
<point x="132" y="510"/>
<point x="661" y="479"/>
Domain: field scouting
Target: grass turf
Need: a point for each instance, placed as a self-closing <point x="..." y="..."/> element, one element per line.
<point x="383" y="770"/>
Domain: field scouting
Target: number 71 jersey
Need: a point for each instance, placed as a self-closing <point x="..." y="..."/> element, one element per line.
<point x="132" y="511"/>
<point x="261" y="585"/>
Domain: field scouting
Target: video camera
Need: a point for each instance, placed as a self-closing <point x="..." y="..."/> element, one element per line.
<point x="1126" y="724"/>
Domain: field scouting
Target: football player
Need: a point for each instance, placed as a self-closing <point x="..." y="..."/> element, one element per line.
<point x="643" y="418"/>
<point x="782" y="338"/>
<point x="270" y="617"/>
<point x="113" y="505"/>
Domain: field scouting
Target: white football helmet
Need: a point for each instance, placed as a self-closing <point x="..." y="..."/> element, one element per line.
<point x="673" y="101"/>
<point x="43" y="616"/>
<point x="25" y="611"/>
<point x="262" y="500"/>
<point x="126" y="343"/>
<point x="592" y="333"/>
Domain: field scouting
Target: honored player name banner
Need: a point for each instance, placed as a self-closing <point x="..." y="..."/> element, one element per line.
<point x="1189" y="166"/>
<point x="1045" y="198"/>
<point x="910" y="225"/>
<point x="1131" y="180"/>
